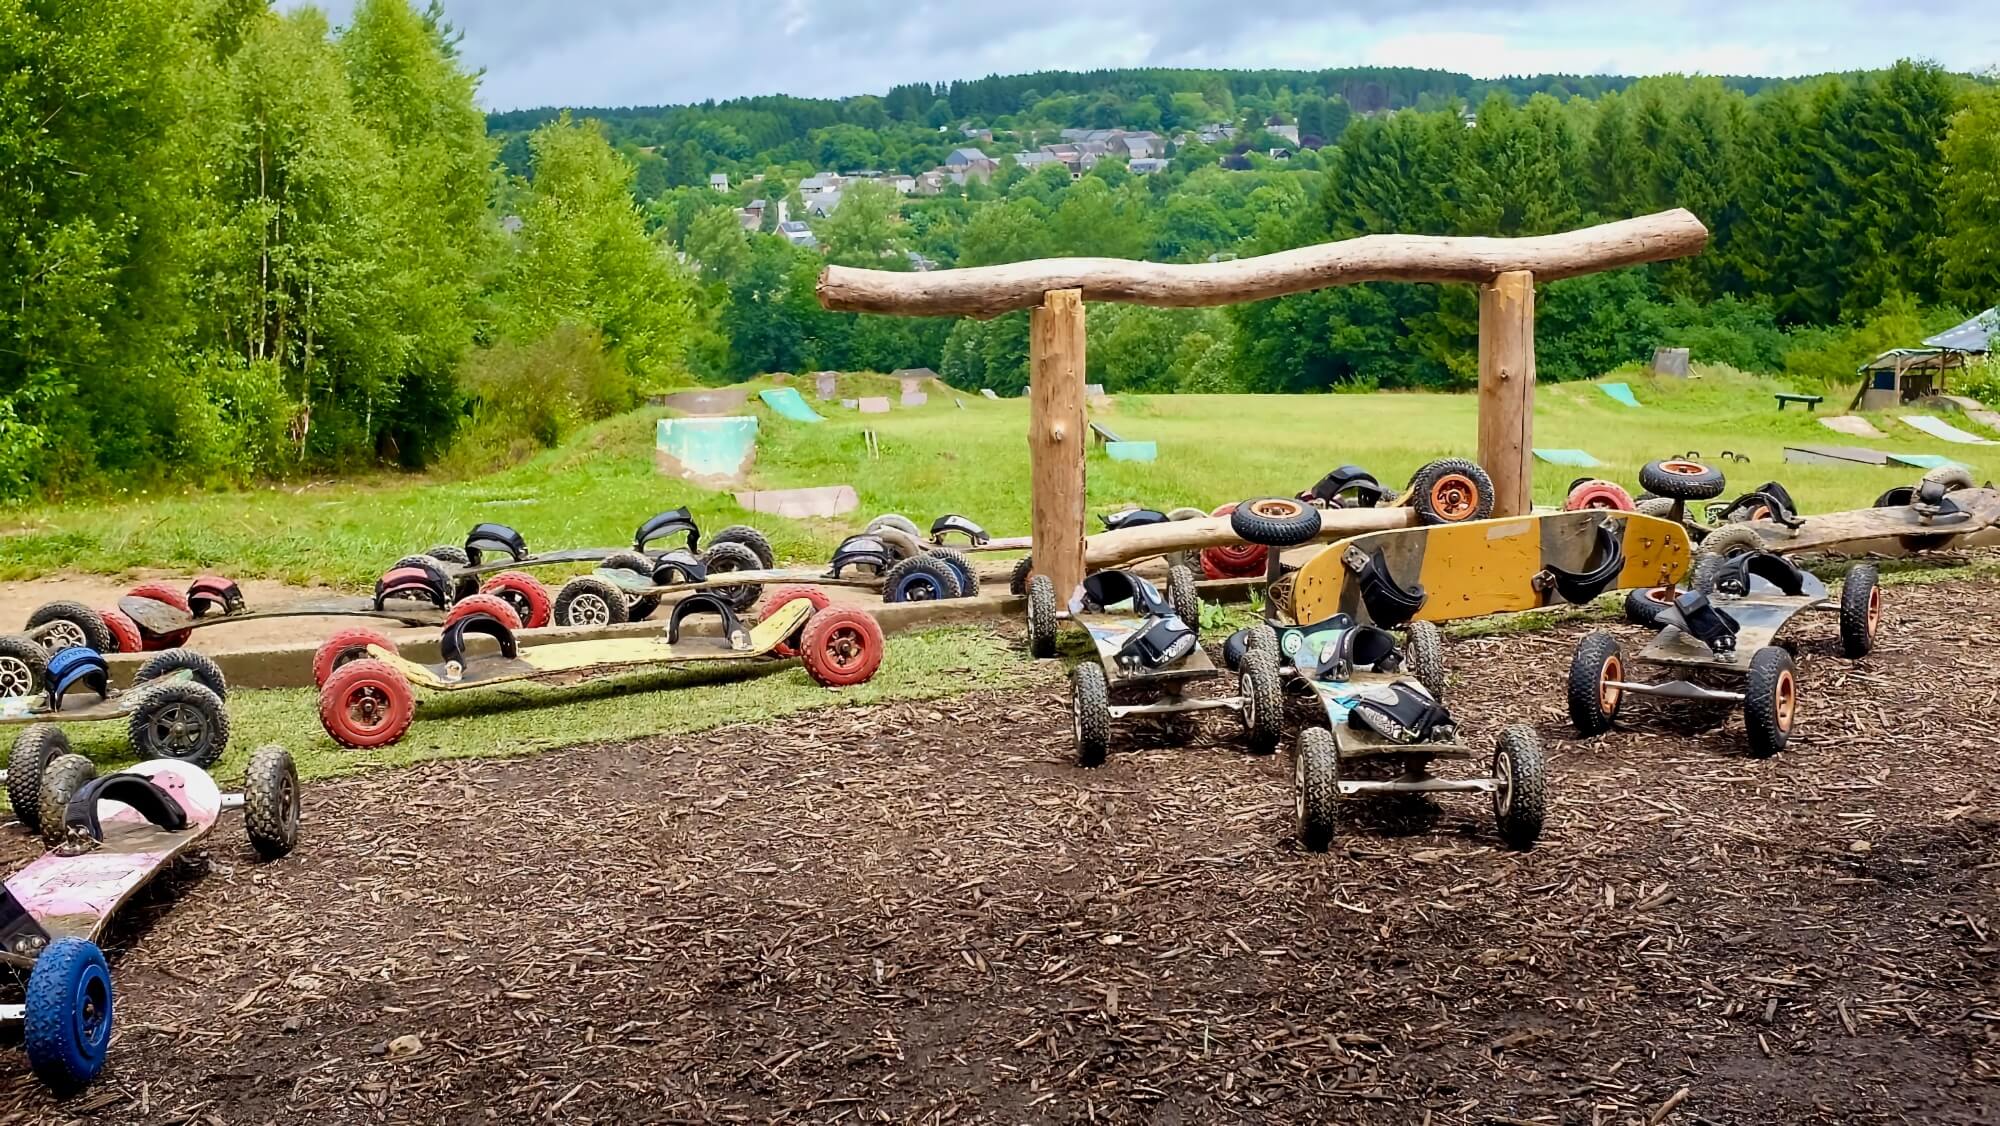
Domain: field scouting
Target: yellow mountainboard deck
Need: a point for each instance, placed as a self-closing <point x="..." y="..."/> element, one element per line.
<point x="1485" y="567"/>
<point x="607" y="653"/>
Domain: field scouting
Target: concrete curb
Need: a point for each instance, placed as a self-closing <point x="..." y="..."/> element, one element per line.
<point x="290" y="666"/>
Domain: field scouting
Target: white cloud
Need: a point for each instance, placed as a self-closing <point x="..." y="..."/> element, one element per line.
<point x="621" y="52"/>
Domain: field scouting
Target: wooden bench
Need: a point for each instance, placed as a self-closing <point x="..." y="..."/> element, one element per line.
<point x="1103" y="433"/>
<point x="1810" y="401"/>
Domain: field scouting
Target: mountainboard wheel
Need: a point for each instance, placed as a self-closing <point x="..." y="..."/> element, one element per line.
<point x="778" y="597"/>
<point x="1860" y="611"/>
<point x="1770" y="701"/>
<point x="1041" y="617"/>
<point x="179" y="720"/>
<point x="66" y="625"/>
<point x="34" y="749"/>
<point x="525" y="593"/>
<point x="1090" y="713"/>
<point x="1520" y="804"/>
<point x="344" y="647"/>
<point x="1315" y="787"/>
<point x="271" y="802"/>
<point x="66" y="1023"/>
<point x="1593" y="698"/>
<point x="124" y="632"/>
<point x="1451" y="490"/>
<point x="841" y="647"/>
<point x="366" y="704"/>
<point x="206" y="672"/>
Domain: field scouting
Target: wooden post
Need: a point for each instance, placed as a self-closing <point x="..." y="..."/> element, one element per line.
<point x="1507" y="389"/>
<point x="1056" y="432"/>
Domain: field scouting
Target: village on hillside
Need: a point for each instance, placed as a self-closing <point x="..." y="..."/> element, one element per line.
<point x="1144" y="152"/>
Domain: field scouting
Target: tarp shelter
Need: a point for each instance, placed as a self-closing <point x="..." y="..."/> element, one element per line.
<point x="1974" y="336"/>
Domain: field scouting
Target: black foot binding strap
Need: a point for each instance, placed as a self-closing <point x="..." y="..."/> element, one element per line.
<point x="1389" y="603"/>
<point x="211" y="593"/>
<point x="484" y="539"/>
<point x="136" y="790"/>
<point x="1332" y="649"/>
<point x="1607" y="552"/>
<point x="1334" y="489"/>
<point x="1735" y="575"/>
<point x="1772" y="499"/>
<point x="451" y="646"/>
<point x="1693" y="614"/>
<point x="675" y="521"/>
<point x="678" y="567"/>
<point x="1160" y="640"/>
<point x="1401" y="713"/>
<point x="732" y="626"/>
<point x="1136" y="518"/>
<point x="953" y="522"/>
<point x="411" y="582"/>
<point x="863" y="550"/>
<point x="1932" y="501"/>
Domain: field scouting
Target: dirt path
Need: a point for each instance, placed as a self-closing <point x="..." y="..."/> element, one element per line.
<point x="925" y="913"/>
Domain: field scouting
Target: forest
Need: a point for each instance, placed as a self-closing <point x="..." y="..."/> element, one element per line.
<point x="243" y="244"/>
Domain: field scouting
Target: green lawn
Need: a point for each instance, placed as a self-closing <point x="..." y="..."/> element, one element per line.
<point x="942" y="457"/>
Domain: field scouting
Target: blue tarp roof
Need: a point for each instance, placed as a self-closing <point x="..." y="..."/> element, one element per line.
<point x="1975" y="335"/>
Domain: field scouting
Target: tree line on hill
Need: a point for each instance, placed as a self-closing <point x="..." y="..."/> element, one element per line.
<point x="244" y="244"/>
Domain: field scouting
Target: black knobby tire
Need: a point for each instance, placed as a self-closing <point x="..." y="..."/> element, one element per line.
<point x="1181" y="595"/>
<point x="34" y="750"/>
<point x="180" y="720"/>
<point x="1521" y="803"/>
<point x="1592" y="706"/>
<point x="961" y="569"/>
<point x="587" y="600"/>
<point x="894" y="522"/>
<point x="427" y="563"/>
<point x="1275" y="522"/>
<point x="81" y="625"/>
<point x="749" y="537"/>
<point x="271" y="802"/>
<point x="1731" y="541"/>
<point x="1263" y="637"/>
<point x="1682" y="479"/>
<point x="1263" y="701"/>
<point x="1233" y="648"/>
<point x="1860" y="611"/>
<point x="206" y="672"/>
<point x="24" y="666"/>
<point x="1017" y="583"/>
<point x="920" y="578"/>
<point x="1706" y="567"/>
<point x="1041" y="617"/>
<point x="722" y="558"/>
<point x="1090" y="708"/>
<point x="449" y="553"/>
<point x="1770" y="701"/>
<point x="1643" y="607"/>
<point x="1451" y="490"/>
<point x="1425" y="649"/>
<point x="1315" y="787"/>
<point x="1952" y="477"/>
<point x="61" y="778"/>
<point x="1661" y="507"/>
<point x="637" y="607"/>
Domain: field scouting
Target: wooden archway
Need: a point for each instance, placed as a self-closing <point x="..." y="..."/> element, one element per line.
<point x="1055" y="289"/>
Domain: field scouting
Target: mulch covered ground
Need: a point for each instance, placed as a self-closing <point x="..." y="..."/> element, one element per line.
<point x="925" y="913"/>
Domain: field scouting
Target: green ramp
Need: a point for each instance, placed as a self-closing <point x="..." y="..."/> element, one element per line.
<point x="1619" y="391"/>
<point x="1577" y="458"/>
<point x="707" y="447"/>
<point x="787" y="403"/>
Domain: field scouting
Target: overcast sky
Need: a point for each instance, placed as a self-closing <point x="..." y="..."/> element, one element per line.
<point x="643" y="52"/>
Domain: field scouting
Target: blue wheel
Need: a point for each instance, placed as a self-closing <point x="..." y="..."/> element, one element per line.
<point x="68" y="1023"/>
<point x="920" y="578"/>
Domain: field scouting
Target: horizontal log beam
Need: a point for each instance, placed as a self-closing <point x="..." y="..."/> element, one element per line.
<point x="1126" y="545"/>
<point x="988" y="291"/>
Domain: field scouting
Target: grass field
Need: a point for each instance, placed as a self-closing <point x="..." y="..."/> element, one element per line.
<point x="970" y="458"/>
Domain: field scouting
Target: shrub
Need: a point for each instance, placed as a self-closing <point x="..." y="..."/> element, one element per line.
<point x="530" y="396"/>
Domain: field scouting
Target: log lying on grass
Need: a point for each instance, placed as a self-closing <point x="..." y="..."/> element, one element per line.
<point x="988" y="291"/>
<point x="1128" y="545"/>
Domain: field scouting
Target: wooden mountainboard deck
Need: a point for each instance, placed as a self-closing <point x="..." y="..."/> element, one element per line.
<point x="1833" y="529"/>
<point x="575" y="656"/>
<point x="1759" y="618"/>
<point x="75" y="896"/>
<point x="631" y="582"/>
<point x="157" y="617"/>
<point x="1487" y="566"/>
<point x="34" y="709"/>
<point x="1338" y="698"/>
<point x="1107" y="634"/>
<point x="541" y="559"/>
